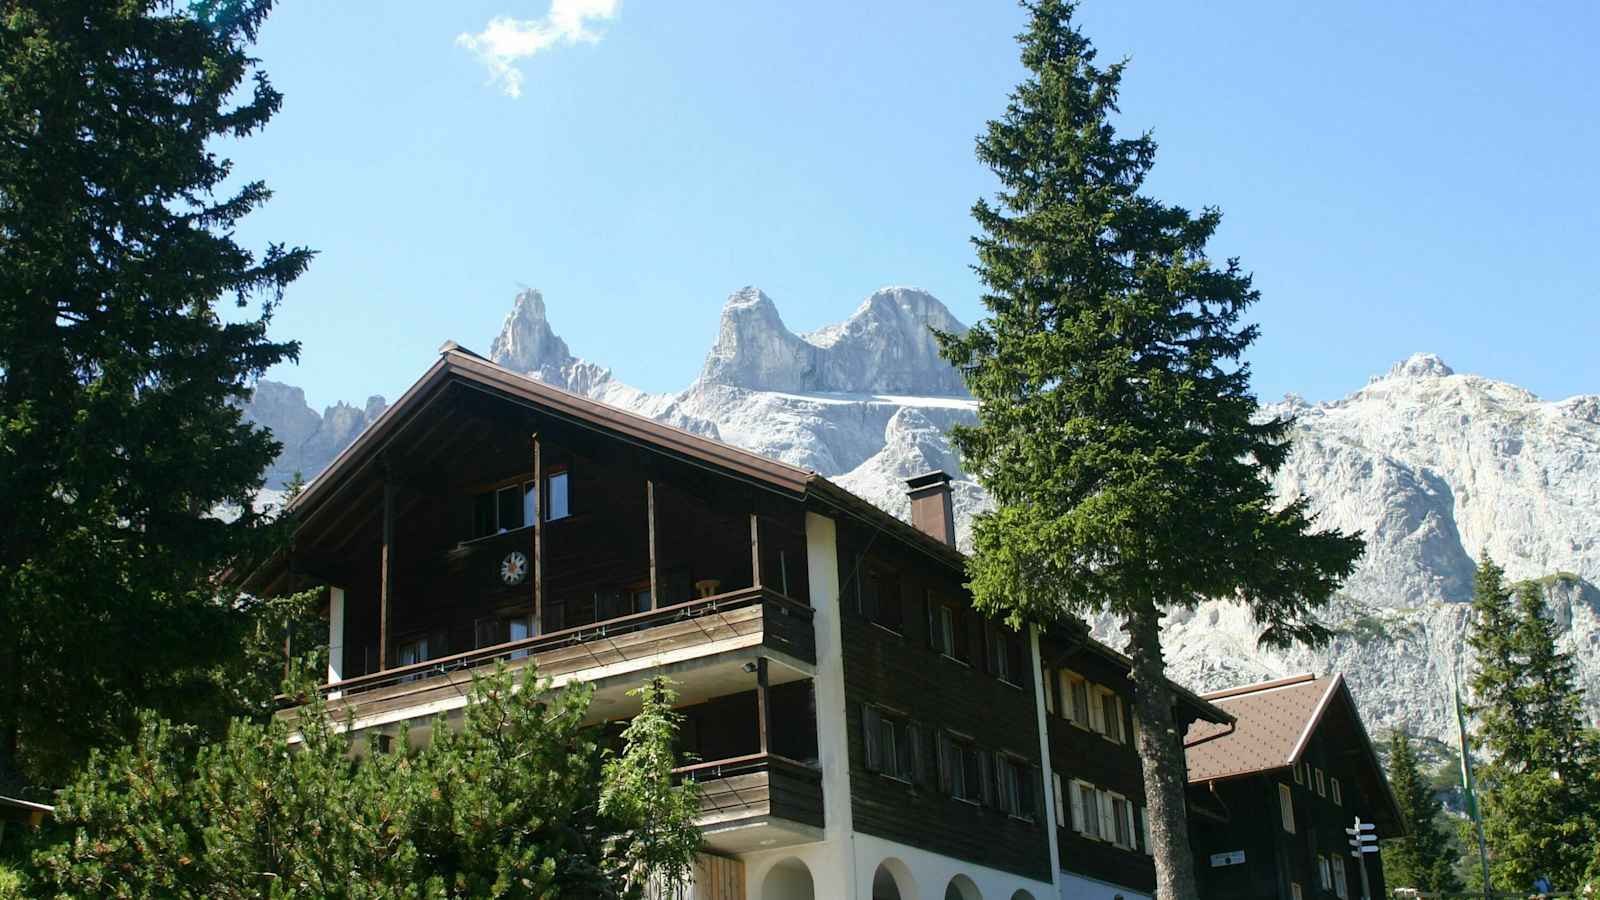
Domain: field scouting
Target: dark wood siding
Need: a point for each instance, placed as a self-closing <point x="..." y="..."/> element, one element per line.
<point x="899" y="671"/>
<point x="1078" y="753"/>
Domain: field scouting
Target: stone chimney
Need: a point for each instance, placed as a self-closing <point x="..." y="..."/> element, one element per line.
<point x="931" y="509"/>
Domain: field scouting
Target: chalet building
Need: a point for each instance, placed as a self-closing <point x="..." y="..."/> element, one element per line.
<point x="1102" y="834"/>
<point x="1271" y="794"/>
<point x="858" y="730"/>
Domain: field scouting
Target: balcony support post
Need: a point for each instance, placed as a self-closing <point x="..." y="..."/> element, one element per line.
<point x="650" y="514"/>
<point x="386" y="576"/>
<point x="763" y="704"/>
<point x="537" y="625"/>
<point x="755" y="551"/>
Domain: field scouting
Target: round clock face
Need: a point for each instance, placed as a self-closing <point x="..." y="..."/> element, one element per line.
<point x="514" y="568"/>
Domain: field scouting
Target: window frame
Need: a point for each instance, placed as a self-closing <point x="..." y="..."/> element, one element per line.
<point x="1322" y="784"/>
<point x="1286" y="808"/>
<point x="1338" y="792"/>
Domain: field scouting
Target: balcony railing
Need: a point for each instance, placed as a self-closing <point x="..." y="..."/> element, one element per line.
<point x="761" y="784"/>
<point x="785" y="625"/>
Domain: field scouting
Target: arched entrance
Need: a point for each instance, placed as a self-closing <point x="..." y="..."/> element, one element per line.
<point x="962" y="888"/>
<point x="788" y="880"/>
<point x="892" y="881"/>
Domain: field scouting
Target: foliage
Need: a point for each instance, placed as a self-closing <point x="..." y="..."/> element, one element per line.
<point x="122" y="370"/>
<point x="1425" y="858"/>
<point x="523" y="800"/>
<point x="1540" y="795"/>
<point x="1116" y="430"/>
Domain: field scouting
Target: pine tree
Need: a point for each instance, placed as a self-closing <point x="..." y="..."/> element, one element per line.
<point x="1540" y="802"/>
<point x="121" y="375"/>
<point x="1116" y="431"/>
<point x="521" y="800"/>
<point x="1425" y="858"/>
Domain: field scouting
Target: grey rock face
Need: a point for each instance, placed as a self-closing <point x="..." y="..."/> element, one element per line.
<point x="885" y="347"/>
<point x="310" y="441"/>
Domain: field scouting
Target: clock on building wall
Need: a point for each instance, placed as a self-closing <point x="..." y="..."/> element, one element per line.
<point x="514" y="568"/>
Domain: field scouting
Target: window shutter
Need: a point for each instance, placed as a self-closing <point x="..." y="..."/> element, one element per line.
<point x="1131" y="824"/>
<point x="986" y="791"/>
<point x="942" y="755"/>
<point x="919" y="754"/>
<point x="1061" y="810"/>
<point x="871" y="735"/>
<point x="1097" y="711"/>
<point x="1080" y="702"/>
<point x="931" y="607"/>
<point x="1286" y="807"/>
<point x="1049" y="691"/>
<point x="1108" y="817"/>
<point x="1079" y="814"/>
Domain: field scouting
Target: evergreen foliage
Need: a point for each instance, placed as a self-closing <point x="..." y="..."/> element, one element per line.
<point x="1116" y="430"/>
<point x="522" y="801"/>
<point x="1540" y="797"/>
<point x="1425" y="858"/>
<point x="122" y="368"/>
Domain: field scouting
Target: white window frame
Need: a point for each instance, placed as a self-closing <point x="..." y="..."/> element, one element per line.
<point x="1324" y="872"/>
<point x="1294" y="891"/>
<point x="1286" y="807"/>
<point x="1108" y="816"/>
<point x="1322" y="785"/>
<point x="1299" y="774"/>
<point x="1338" y="792"/>
<point x="1086" y="821"/>
<point x="1341" y="878"/>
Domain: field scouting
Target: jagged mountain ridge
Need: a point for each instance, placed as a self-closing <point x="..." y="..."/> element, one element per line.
<point x="1434" y="467"/>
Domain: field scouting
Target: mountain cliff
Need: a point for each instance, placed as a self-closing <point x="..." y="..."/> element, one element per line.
<point x="1434" y="467"/>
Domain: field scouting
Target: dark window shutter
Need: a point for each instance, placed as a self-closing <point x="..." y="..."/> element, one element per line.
<point x="871" y="737"/>
<point x="942" y="757"/>
<point x="986" y="784"/>
<point x="919" y="753"/>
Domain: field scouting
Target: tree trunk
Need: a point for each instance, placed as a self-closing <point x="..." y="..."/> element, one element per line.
<point x="1161" y="756"/>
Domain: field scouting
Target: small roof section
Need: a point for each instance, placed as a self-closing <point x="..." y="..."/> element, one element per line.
<point x="1274" y="721"/>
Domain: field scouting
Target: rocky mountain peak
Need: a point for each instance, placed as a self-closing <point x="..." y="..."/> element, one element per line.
<point x="526" y="343"/>
<point x="885" y="347"/>
<point x="1421" y="365"/>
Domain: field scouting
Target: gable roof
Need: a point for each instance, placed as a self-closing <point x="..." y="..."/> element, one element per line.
<point x="1275" y="721"/>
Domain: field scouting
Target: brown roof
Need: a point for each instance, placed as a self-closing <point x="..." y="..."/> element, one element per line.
<point x="1274" y="720"/>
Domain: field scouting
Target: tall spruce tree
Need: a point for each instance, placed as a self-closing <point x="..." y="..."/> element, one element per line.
<point x="1540" y="804"/>
<point x="1116" y="430"/>
<point x="1425" y="858"/>
<point x="120" y="375"/>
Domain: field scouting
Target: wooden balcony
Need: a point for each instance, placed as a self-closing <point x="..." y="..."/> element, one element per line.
<point x="758" y="801"/>
<point x="751" y="621"/>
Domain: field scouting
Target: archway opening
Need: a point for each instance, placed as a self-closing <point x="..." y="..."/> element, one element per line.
<point x="892" y="881"/>
<point x="962" y="888"/>
<point x="1021" y="895"/>
<point x="788" y="880"/>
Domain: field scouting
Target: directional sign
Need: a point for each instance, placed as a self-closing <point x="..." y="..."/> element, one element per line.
<point x="1364" y="828"/>
<point x="1365" y="849"/>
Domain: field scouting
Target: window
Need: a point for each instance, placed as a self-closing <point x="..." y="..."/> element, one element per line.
<point x="1322" y="786"/>
<point x="879" y="597"/>
<point x="499" y="630"/>
<point x="1294" y="891"/>
<point x="1074" y="695"/>
<point x="960" y="769"/>
<point x="891" y="743"/>
<point x="1341" y="886"/>
<point x="411" y="652"/>
<point x="944" y="628"/>
<point x="1299" y="776"/>
<point x="503" y="509"/>
<point x="1016" y="788"/>
<point x="1110" y="714"/>
<point x="1286" y="807"/>
<point x="1086" y="809"/>
<point x="1338" y="794"/>
<point x="1324" y="872"/>
<point x="557" y="504"/>
<point x="1122" y="825"/>
<point x="1004" y="647"/>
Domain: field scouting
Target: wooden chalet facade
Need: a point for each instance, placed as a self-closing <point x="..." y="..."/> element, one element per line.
<point x="1270" y="796"/>
<point x="858" y="730"/>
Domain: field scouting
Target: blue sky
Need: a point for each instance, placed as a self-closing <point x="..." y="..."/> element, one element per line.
<point x="1398" y="176"/>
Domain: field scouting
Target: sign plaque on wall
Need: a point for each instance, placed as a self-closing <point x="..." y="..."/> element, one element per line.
<point x="1231" y="858"/>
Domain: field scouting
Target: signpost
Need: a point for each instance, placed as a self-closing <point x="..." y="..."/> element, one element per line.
<point x="1362" y="842"/>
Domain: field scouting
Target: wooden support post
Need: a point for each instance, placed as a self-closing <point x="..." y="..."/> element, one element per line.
<point x="386" y="577"/>
<point x="755" y="551"/>
<point x="650" y="514"/>
<point x="537" y="626"/>
<point x="763" y="703"/>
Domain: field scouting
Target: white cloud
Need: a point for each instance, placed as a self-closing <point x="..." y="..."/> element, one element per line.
<point x="506" y="41"/>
